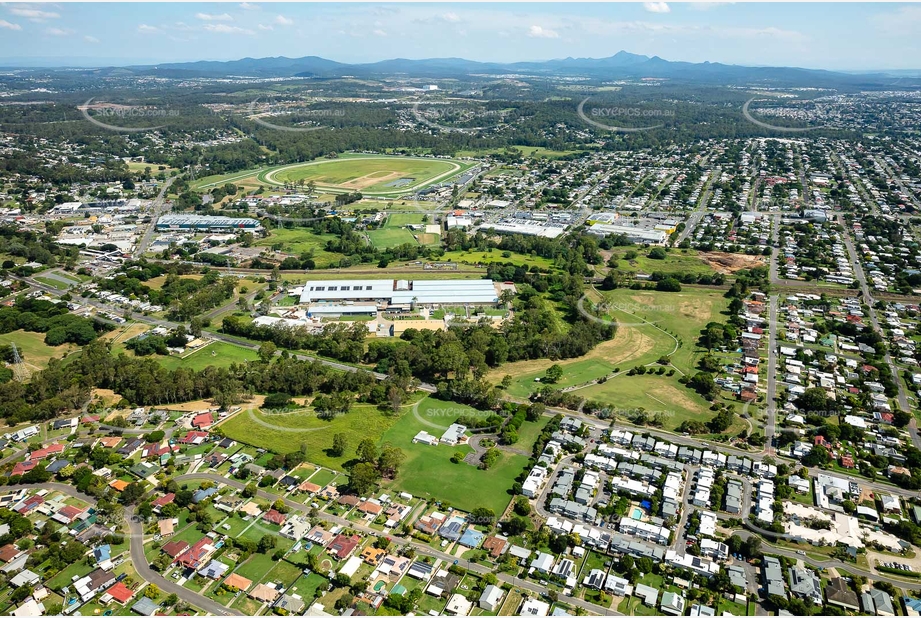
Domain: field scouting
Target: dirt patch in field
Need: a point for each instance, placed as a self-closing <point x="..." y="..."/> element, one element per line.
<point x="373" y="178"/>
<point x="108" y="396"/>
<point x="670" y="395"/>
<point x="700" y="311"/>
<point x="125" y="333"/>
<point x="728" y="263"/>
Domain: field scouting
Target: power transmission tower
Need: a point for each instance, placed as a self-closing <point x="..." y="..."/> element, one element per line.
<point x="19" y="368"/>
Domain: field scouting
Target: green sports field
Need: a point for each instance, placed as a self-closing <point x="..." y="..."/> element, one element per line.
<point x="391" y="237"/>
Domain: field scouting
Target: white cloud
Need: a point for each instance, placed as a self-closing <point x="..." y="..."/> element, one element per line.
<point x="33" y="14"/>
<point x="225" y="29"/>
<point x="451" y="17"/>
<point x="264" y="27"/>
<point x="9" y="26"/>
<point x="657" y="7"/>
<point x="539" y="32"/>
<point x="249" y="6"/>
<point x="145" y="29"/>
<point x="58" y="32"/>
<point x="210" y="17"/>
<point x="281" y="20"/>
<point x="90" y="39"/>
<point x="903" y="21"/>
<point x="379" y="32"/>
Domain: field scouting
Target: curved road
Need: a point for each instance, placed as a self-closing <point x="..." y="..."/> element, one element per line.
<point x="136" y="551"/>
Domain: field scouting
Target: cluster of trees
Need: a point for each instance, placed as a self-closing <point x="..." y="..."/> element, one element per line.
<point x="143" y="381"/>
<point x="373" y="465"/>
<point x="55" y="320"/>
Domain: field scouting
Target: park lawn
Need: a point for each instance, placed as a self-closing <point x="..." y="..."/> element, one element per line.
<point x="655" y="394"/>
<point x="391" y="237"/>
<point x="428" y="472"/>
<point x="55" y="283"/>
<point x="677" y="261"/>
<point x="284" y="433"/>
<point x="495" y="255"/>
<point x="217" y="354"/>
<point x="444" y="413"/>
<point x="33" y="350"/>
<point x="361" y="271"/>
<point x="631" y="345"/>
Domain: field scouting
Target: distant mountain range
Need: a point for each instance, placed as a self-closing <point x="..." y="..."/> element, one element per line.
<point x="622" y="65"/>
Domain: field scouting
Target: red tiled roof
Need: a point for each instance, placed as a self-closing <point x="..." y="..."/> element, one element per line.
<point x="163" y="500"/>
<point x="343" y="545"/>
<point x="174" y="548"/>
<point x="203" y="420"/>
<point x="194" y="557"/>
<point x="190" y="437"/>
<point x="274" y="517"/>
<point x="120" y="592"/>
<point x="22" y="467"/>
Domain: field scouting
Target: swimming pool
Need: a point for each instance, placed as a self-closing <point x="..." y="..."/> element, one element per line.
<point x="637" y="514"/>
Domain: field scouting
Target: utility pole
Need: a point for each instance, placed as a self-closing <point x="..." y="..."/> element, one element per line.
<point x="19" y="369"/>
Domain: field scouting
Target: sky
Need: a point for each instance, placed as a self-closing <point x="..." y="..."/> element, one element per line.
<point x="835" y="36"/>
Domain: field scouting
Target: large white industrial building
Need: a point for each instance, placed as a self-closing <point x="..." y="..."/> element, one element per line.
<point x="633" y="234"/>
<point x="402" y="292"/>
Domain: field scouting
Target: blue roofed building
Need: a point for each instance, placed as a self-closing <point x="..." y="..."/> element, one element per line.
<point x="472" y="538"/>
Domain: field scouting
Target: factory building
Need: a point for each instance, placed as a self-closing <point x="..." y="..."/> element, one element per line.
<point x="401" y="293"/>
<point x="200" y="223"/>
<point x="633" y="234"/>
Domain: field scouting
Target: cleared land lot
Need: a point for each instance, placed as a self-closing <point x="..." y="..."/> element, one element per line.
<point x="285" y="432"/>
<point x="678" y="261"/>
<point x="300" y="240"/>
<point x="218" y="354"/>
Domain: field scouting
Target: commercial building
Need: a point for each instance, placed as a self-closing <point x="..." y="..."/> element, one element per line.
<point x="200" y="223"/>
<point x="399" y="293"/>
<point x="634" y="234"/>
